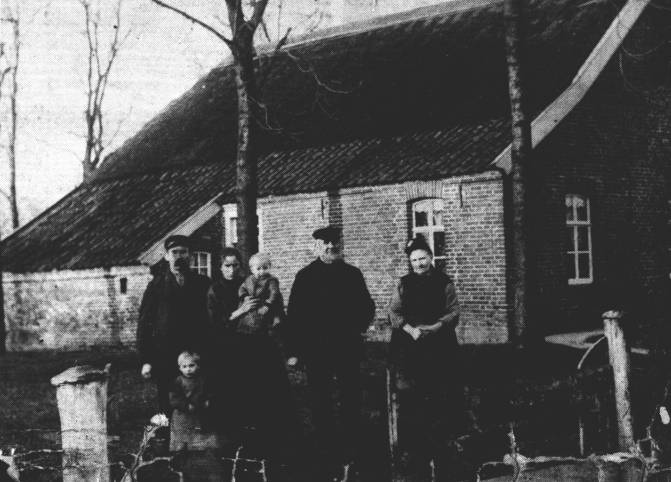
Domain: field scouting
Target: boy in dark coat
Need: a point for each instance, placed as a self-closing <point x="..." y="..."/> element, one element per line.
<point x="191" y="403"/>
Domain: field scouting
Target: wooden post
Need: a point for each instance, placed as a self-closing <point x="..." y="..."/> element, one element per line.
<point x="619" y="360"/>
<point x="81" y="393"/>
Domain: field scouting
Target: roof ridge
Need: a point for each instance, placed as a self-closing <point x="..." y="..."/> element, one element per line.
<point x="374" y="23"/>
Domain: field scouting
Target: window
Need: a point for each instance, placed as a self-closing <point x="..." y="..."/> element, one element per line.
<point x="123" y="285"/>
<point x="201" y="262"/>
<point x="231" y="225"/>
<point x="427" y="221"/>
<point x="579" y="240"/>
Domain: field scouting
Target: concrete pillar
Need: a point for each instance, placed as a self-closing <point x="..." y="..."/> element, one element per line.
<point x="619" y="359"/>
<point x="81" y="393"/>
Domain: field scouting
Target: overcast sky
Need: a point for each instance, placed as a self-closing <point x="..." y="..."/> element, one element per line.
<point x="163" y="56"/>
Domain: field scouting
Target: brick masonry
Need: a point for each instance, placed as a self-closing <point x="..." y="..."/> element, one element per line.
<point x="76" y="309"/>
<point x="376" y="226"/>
<point x="614" y="148"/>
<point x="69" y="310"/>
<point x="604" y="150"/>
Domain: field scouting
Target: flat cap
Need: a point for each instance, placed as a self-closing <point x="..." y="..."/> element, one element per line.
<point x="177" y="240"/>
<point x="417" y="243"/>
<point x="327" y="233"/>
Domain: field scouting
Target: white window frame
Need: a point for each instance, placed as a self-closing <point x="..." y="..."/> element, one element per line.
<point x="429" y="230"/>
<point x="573" y="225"/>
<point x="231" y="227"/>
<point x="201" y="262"/>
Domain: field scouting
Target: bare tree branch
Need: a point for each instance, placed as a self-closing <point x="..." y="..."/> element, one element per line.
<point x="252" y="113"/>
<point x="193" y="19"/>
<point x="3" y="74"/>
<point x="98" y="74"/>
<point x="311" y="70"/>
<point x="257" y="14"/>
<point x="13" y="98"/>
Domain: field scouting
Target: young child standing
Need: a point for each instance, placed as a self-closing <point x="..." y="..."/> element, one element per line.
<point x="191" y="427"/>
<point x="262" y="285"/>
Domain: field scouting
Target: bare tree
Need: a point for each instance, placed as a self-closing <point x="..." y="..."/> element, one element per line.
<point x="101" y="58"/>
<point x="3" y="327"/>
<point x="514" y="16"/>
<point x="10" y="54"/>
<point x="243" y="27"/>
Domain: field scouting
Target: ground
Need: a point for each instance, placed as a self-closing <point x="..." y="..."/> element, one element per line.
<point x="539" y="391"/>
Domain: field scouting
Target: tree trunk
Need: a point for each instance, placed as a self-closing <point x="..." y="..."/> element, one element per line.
<point x="520" y="153"/>
<point x="3" y="327"/>
<point x="12" y="133"/>
<point x="87" y="165"/>
<point x="246" y="182"/>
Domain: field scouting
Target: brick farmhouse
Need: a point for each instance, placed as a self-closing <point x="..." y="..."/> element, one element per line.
<point x="390" y="127"/>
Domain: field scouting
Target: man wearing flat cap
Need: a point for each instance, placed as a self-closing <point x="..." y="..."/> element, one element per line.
<point x="173" y="317"/>
<point x="329" y="308"/>
<point x="424" y="313"/>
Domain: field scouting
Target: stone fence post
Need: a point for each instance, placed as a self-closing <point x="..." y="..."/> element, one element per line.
<point x="619" y="359"/>
<point x="81" y="393"/>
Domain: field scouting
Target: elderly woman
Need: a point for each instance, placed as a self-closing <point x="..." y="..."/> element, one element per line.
<point x="424" y="313"/>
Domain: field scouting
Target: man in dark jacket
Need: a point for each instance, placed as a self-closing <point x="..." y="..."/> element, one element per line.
<point x="173" y="316"/>
<point x="329" y="307"/>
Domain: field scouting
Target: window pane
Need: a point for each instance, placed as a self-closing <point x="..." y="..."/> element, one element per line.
<point x="583" y="266"/>
<point x="570" y="241"/>
<point x="439" y="243"/>
<point x="438" y="218"/>
<point x="569" y="208"/>
<point x="233" y="230"/>
<point x="583" y="238"/>
<point x="570" y="266"/>
<point x="581" y="209"/>
<point x="421" y="218"/>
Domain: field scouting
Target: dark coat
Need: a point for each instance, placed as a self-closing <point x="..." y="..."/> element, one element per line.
<point x="329" y="306"/>
<point x="222" y="300"/>
<point x="266" y="289"/>
<point x="172" y="318"/>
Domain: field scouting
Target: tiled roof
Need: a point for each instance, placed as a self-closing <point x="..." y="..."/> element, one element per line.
<point x="416" y="96"/>
<point x="111" y="223"/>
<point x="434" y="68"/>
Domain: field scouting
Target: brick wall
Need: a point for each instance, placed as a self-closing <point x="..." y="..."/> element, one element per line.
<point x="72" y="309"/>
<point x="375" y="229"/>
<point x="475" y="230"/>
<point x="77" y="309"/>
<point x="602" y="150"/>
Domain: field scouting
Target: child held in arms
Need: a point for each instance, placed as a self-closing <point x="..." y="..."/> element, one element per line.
<point x="191" y="427"/>
<point x="263" y="286"/>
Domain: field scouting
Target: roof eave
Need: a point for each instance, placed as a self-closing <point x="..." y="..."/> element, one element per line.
<point x="154" y="253"/>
